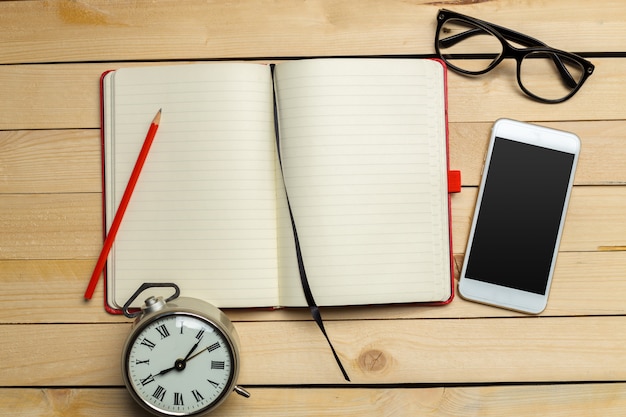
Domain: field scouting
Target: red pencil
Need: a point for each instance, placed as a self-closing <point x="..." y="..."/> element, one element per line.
<point x="128" y="192"/>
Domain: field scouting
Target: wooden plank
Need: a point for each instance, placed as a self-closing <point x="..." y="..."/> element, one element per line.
<point x="66" y="96"/>
<point x="68" y="161"/>
<point x="373" y="351"/>
<point x="50" y="161"/>
<point x="46" y="402"/>
<point x="601" y="159"/>
<point x="497" y="94"/>
<point x="607" y="400"/>
<point x="595" y="218"/>
<point x="51" y="291"/>
<point x="61" y="354"/>
<point x="69" y="226"/>
<point x="50" y="96"/>
<point x="50" y="226"/>
<point x="63" y="30"/>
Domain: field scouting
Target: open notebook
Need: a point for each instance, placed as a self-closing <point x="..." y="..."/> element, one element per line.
<point x="363" y="145"/>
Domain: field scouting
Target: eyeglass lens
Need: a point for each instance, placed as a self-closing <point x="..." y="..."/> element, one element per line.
<point x="550" y="75"/>
<point x="468" y="48"/>
<point x="473" y="50"/>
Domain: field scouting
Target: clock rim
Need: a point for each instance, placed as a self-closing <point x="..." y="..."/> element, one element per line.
<point x="221" y="323"/>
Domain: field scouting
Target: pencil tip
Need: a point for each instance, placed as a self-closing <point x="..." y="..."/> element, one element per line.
<point x="157" y="118"/>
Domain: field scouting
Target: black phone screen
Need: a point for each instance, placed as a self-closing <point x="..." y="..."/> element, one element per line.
<point x="518" y="221"/>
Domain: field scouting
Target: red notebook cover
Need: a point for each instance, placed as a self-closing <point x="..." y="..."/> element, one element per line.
<point x="454" y="182"/>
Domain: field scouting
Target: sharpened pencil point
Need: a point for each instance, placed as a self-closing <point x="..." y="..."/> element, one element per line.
<point x="157" y="118"/>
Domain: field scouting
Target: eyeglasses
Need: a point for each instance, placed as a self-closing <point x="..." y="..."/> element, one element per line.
<point x="474" y="47"/>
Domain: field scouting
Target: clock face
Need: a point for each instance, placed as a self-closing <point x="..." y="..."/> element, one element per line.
<point x="180" y="364"/>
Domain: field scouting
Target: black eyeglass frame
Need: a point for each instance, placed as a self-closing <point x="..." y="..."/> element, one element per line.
<point x="532" y="46"/>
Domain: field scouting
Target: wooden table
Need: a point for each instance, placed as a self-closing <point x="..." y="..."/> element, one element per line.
<point x="60" y="355"/>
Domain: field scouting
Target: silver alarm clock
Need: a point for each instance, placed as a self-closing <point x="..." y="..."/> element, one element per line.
<point x="181" y="357"/>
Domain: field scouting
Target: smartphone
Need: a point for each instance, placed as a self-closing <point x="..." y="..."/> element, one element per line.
<point x="518" y="220"/>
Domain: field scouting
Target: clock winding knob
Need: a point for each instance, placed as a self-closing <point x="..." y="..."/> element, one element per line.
<point x="153" y="304"/>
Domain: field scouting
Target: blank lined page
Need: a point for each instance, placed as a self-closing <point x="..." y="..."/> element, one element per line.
<point x="363" y="145"/>
<point x="203" y="214"/>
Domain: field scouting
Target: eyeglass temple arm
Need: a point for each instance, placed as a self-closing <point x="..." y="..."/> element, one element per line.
<point x="515" y="37"/>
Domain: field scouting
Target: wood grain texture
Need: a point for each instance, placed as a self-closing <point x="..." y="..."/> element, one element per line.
<point x="433" y="351"/>
<point x="50" y="161"/>
<point x="60" y="355"/>
<point x="51" y="226"/>
<point x="66" y="30"/>
<point x="595" y="218"/>
<point x="50" y="291"/>
<point x="69" y="226"/>
<point x="601" y="160"/>
<point x="68" y="160"/>
<point x="67" y="96"/>
<point x="607" y="400"/>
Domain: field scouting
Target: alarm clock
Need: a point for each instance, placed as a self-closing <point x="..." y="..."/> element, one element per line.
<point x="181" y="357"/>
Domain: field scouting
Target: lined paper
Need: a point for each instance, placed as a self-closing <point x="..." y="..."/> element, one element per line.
<point x="203" y="214"/>
<point x="363" y="147"/>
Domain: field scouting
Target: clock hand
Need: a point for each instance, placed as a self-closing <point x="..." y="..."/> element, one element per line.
<point x="165" y="371"/>
<point x="191" y="351"/>
<point x="180" y="363"/>
<point x="206" y="349"/>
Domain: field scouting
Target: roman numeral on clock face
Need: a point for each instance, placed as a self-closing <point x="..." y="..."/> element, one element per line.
<point x="147" y="380"/>
<point x="217" y="364"/>
<point x="159" y="393"/>
<point x="163" y="331"/>
<point x="178" y="399"/>
<point x="197" y="395"/>
<point x="148" y="343"/>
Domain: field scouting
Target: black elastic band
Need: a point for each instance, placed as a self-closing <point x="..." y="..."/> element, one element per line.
<point x="308" y="294"/>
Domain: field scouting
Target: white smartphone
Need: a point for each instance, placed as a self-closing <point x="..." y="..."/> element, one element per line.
<point x="518" y="220"/>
